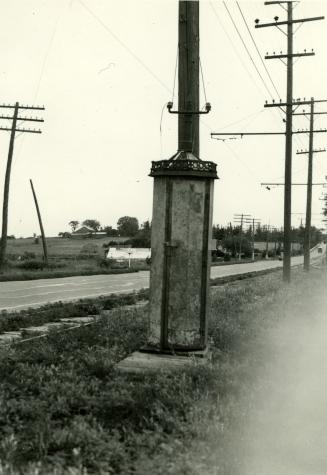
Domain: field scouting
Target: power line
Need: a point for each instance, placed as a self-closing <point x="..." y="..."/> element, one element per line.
<point x="124" y="45"/>
<point x="298" y="139"/>
<point x="241" y="120"/>
<point x="256" y="47"/>
<point x="245" y="165"/>
<point x="246" y="48"/>
<point x="264" y="83"/>
<point x="234" y="47"/>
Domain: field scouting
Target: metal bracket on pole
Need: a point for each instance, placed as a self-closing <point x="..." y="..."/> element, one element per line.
<point x="207" y="110"/>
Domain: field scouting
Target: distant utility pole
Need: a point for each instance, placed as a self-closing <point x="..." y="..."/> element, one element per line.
<point x="288" y="105"/>
<point x="241" y="219"/>
<point x="310" y="152"/>
<point x="233" y="238"/>
<point x="255" y="222"/>
<point x="267" y="240"/>
<point x="44" y="244"/>
<point x="14" y="128"/>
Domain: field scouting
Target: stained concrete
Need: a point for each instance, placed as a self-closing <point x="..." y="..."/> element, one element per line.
<point x="140" y="362"/>
<point x="182" y="211"/>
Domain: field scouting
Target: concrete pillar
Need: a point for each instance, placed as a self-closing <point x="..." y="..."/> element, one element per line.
<point x="181" y="256"/>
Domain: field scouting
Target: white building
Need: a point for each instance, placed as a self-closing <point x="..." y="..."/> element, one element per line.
<point x="128" y="253"/>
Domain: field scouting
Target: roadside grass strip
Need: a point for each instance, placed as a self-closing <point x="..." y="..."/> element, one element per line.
<point x="65" y="409"/>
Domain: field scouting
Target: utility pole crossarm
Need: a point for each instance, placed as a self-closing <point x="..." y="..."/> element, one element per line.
<point x="293" y="184"/>
<point x="28" y="119"/>
<point x="213" y="134"/>
<point x="294" y="55"/>
<point x="305" y="152"/>
<point x="32" y="131"/>
<point x="278" y="3"/>
<point x="286" y="22"/>
<point x="308" y="131"/>
<point x="293" y="103"/>
<point x="308" y="113"/>
<point x="9" y="106"/>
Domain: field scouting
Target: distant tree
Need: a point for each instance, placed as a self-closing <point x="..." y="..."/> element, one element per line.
<point x="219" y="232"/>
<point x="143" y="237"/>
<point x="92" y="223"/>
<point x="64" y="235"/>
<point x="127" y="226"/>
<point x="324" y="209"/>
<point x="110" y="231"/>
<point x="73" y="224"/>
<point x="232" y="244"/>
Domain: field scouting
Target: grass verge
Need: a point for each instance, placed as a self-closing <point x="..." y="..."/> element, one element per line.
<point x="13" y="321"/>
<point x="13" y="274"/>
<point x="65" y="409"/>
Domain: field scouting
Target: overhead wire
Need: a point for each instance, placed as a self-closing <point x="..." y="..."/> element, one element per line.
<point x="252" y="173"/>
<point x="250" y="56"/>
<point x="257" y="49"/>
<point x="247" y="50"/>
<point x="233" y="46"/>
<point x="241" y="120"/>
<point x="175" y="74"/>
<point x="160" y="126"/>
<point x="42" y="71"/>
<point x="298" y="139"/>
<point x="203" y="84"/>
<point x="125" y="46"/>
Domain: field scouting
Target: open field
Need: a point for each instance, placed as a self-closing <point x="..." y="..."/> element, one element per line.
<point x="57" y="246"/>
<point x="67" y="257"/>
<point x="64" y="407"/>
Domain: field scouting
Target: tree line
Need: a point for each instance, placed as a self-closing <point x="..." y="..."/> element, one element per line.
<point x="231" y="237"/>
<point x="228" y="237"/>
<point x="127" y="226"/>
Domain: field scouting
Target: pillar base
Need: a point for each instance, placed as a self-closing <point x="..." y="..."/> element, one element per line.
<point x="145" y="362"/>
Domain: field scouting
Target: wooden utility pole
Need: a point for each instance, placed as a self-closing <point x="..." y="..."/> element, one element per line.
<point x="310" y="152"/>
<point x="288" y="149"/>
<point x="6" y="189"/>
<point x="267" y="241"/>
<point x="44" y="244"/>
<point x="233" y="238"/>
<point x="241" y="219"/>
<point x="188" y="77"/>
<point x="254" y="223"/>
<point x="13" y="130"/>
<point x="307" y="236"/>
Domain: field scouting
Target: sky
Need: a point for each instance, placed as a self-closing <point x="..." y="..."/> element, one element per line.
<point x="104" y="70"/>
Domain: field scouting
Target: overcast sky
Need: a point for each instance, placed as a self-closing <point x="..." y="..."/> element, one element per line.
<point x="104" y="70"/>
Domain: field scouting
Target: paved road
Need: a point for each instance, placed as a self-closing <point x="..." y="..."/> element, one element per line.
<point x="32" y="293"/>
